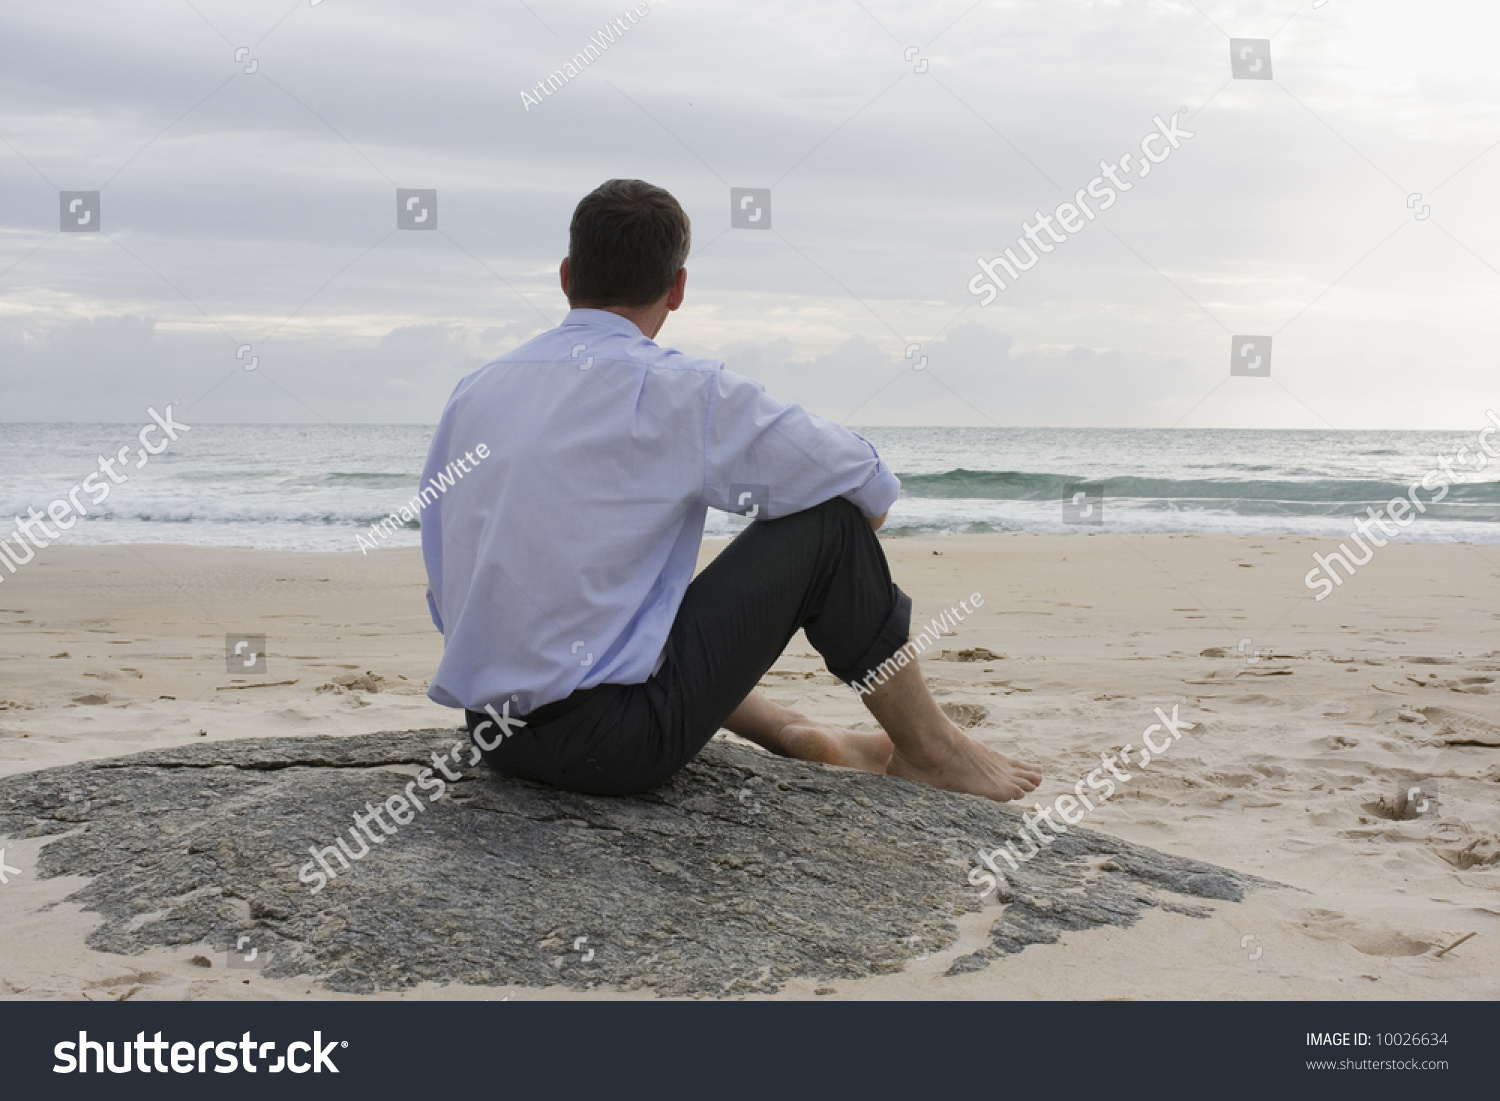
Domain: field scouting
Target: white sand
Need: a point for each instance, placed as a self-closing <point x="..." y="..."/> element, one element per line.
<point x="1355" y="699"/>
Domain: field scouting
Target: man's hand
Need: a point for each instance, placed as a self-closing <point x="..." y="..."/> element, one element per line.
<point x="876" y="521"/>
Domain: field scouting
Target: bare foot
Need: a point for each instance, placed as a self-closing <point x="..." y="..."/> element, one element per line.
<point x="970" y="768"/>
<point x="833" y="745"/>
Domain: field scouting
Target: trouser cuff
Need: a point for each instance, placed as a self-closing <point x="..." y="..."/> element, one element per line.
<point x="893" y="635"/>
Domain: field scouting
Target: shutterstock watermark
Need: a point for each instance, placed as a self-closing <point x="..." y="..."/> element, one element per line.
<point x="67" y="510"/>
<point x="404" y="806"/>
<point x="1399" y="511"/>
<point x="609" y="34"/>
<point x="193" y="1056"/>
<point x="908" y="653"/>
<point x="1070" y="809"/>
<point x="1071" y="217"/>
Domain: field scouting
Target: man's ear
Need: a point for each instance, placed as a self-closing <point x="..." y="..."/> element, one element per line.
<point x="562" y="275"/>
<point x="678" y="291"/>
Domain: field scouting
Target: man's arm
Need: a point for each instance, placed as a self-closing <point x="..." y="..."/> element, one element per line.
<point x="787" y="457"/>
<point x="876" y="521"/>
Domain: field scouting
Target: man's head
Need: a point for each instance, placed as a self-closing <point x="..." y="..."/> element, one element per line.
<point x="626" y="249"/>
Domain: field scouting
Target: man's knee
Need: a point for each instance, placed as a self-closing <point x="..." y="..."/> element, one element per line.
<point x="846" y="510"/>
<point x="835" y="510"/>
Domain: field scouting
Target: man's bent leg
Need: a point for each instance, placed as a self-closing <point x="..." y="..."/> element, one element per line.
<point x="792" y="734"/>
<point x="858" y="620"/>
<point x="931" y="750"/>
<point x="820" y="570"/>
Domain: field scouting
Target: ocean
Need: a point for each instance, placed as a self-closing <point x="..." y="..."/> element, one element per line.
<point x="315" y="487"/>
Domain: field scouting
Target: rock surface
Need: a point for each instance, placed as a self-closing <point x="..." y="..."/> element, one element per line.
<point x="745" y="871"/>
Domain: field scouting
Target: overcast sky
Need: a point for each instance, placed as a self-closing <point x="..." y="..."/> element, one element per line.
<point x="259" y="207"/>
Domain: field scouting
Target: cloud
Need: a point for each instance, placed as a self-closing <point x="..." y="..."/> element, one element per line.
<point x="259" y="207"/>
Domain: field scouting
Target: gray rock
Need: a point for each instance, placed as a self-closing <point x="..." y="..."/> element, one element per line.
<point x="745" y="871"/>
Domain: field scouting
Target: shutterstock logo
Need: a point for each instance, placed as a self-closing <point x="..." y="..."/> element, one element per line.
<point x="1250" y="356"/>
<point x="416" y="208"/>
<point x="1084" y="504"/>
<point x="1250" y="58"/>
<point x="748" y="502"/>
<point x="79" y="212"/>
<point x="247" y="955"/>
<point x="1047" y="231"/>
<point x="245" y="654"/>
<point x="750" y="207"/>
<point x="301" y="1056"/>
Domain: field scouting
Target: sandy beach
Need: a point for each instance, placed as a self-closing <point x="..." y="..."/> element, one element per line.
<point x="1313" y="723"/>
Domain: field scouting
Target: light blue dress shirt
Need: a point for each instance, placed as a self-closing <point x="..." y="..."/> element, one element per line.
<point x="582" y="468"/>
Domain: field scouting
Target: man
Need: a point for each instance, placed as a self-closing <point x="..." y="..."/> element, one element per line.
<point x="560" y="560"/>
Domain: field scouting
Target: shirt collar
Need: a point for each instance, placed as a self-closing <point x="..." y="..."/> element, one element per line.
<point x="601" y="319"/>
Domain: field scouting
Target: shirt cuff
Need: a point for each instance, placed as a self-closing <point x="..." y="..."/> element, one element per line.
<point x="876" y="496"/>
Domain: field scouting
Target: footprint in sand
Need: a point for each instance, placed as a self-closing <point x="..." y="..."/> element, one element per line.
<point x="123" y="987"/>
<point x="1482" y="852"/>
<point x="1366" y="937"/>
<point x="1411" y="799"/>
<point x="966" y="715"/>
<point x="1454" y="727"/>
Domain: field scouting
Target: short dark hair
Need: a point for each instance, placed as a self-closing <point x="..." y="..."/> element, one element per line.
<point x="626" y="244"/>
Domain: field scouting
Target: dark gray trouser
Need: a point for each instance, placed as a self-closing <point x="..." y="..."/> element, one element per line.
<point x="821" y="570"/>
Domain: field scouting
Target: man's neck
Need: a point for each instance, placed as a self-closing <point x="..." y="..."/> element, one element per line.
<point x="648" y="319"/>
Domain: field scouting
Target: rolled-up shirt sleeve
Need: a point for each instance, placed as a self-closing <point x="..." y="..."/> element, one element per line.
<point x="783" y="459"/>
